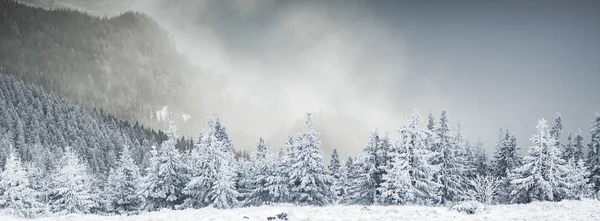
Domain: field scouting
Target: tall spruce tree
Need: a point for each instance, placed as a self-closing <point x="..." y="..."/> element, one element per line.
<point x="213" y="176"/>
<point x="569" y="150"/>
<point x="278" y="181"/>
<point x="17" y="197"/>
<point x="506" y="157"/>
<point x="364" y="187"/>
<point x="593" y="160"/>
<point x="311" y="183"/>
<point x="167" y="176"/>
<point x="452" y="169"/>
<point x="71" y="190"/>
<point x="262" y="167"/>
<point x="122" y="189"/>
<point x="543" y="174"/>
<point x="410" y="177"/>
<point x="578" y="146"/>
<point x="335" y="170"/>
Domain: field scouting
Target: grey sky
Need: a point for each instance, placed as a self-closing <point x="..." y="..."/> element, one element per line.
<point x="491" y="64"/>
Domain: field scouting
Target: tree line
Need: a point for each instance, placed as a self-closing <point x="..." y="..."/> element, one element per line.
<point x="115" y="168"/>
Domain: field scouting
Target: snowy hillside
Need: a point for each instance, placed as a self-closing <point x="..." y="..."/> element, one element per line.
<point x="547" y="211"/>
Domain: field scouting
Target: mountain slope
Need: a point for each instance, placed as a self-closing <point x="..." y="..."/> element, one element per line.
<point x="125" y="64"/>
<point x="39" y="125"/>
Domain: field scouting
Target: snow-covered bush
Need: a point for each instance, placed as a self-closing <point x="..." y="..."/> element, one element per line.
<point x="485" y="188"/>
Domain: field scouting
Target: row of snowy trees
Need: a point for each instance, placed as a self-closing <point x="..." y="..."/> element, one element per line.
<point x="424" y="165"/>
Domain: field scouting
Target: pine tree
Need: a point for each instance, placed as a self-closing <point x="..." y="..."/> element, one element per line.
<point x="348" y="174"/>
<point x="223" y="193"/>
<point x="556" y="130"/>
<point x="167" y="176"/>
<point x="578" y="146"/>
<point x="278" y="181"/>
<point x="451" y="168"/>
<point x="17" y="197"/>
<point x="578" y="185"/>
<point x="410" y="178"/>
<point x="213" y="176"/>
<point x="311" y="183"/>
<point x="335" y="170"/>
<point x="569" y="150"/>
<point x="71" y="190"/>
<point x="543" y="174"/>
<point x="257" y="179"/>
<point x="505" y="157"/>
<point x="593" y="160"/>
<point x="122" y="194"/>
<point x="481" y="160"/>
<point x="364" y="186"/>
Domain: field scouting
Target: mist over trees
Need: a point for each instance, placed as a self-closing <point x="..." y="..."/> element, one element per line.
<point x="126" y="64"/>
<point x="59" y="154"/>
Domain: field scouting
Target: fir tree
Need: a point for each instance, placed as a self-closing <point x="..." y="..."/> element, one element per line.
<point x="349" y="173"/>
<point x="278" y="181"/>
<point x="167" y="176"/>
<point x="72" y="190"/>
<point x="569" y="150"/>
<point x="17" y="196"/>
<point x="578" y="185"/>
<point x="481" y="160"/>
<point x="257" y="179"/>
<point x="311" y="183"/>
<point x="213" y="179"/>
<point x="505" y="161"/>
<point x="543" y="174"/>
<point x="593" y="160"/>
<point x="223" y="194"/>
<point x="335" y="170"/>
<point x="578" y="146"/>
<point x="122" y="188"/>
<point x="452" y="169"/>
<point x="505" y="157"/>
<point x="364" y="186"/>
<point x="410" y="178"/>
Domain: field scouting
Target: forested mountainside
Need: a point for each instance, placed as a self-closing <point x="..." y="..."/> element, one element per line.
<point x="39" y="125"/>
<point x="126" y="64"/>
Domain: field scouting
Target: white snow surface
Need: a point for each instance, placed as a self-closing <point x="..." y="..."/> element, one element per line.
<point x="543" y="211"/>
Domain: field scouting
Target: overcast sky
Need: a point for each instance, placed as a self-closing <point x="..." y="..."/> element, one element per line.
<point x="491" y="64"/>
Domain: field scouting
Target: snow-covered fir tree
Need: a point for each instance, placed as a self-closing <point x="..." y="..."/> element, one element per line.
<point x="569" y="150"/>
<point x="577" y="181"/>
<point x="593" y="159"/>
<point x="410" y="177"/>
<point x="71" y="189"/>
<point x="335" y="170"/>
<point x="223" y="194"/>
<point x="212" y="168"/>
<point x="364" y="186"/>
<point x="17" y="197"/>
<point x="349" y="174"/>
<point x="578" y="147"/>
<point x="543" y="174"/>
<point x="262" y="168"/>
<point x="278" y="182"/>
<point x="452" y="168"/>
<point x="311" y="185"/>
<point x="482" y="164"/>
<point x="506" y="159"/>
<point x="166" y="177"/>
<point x="122" y="188"/>
<point x="556" y="131"/>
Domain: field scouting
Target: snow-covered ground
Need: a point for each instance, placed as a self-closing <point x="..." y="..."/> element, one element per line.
<point x="544" y="211"/>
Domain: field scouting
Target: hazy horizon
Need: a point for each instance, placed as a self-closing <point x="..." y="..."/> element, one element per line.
<point x="489" y="64"/>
